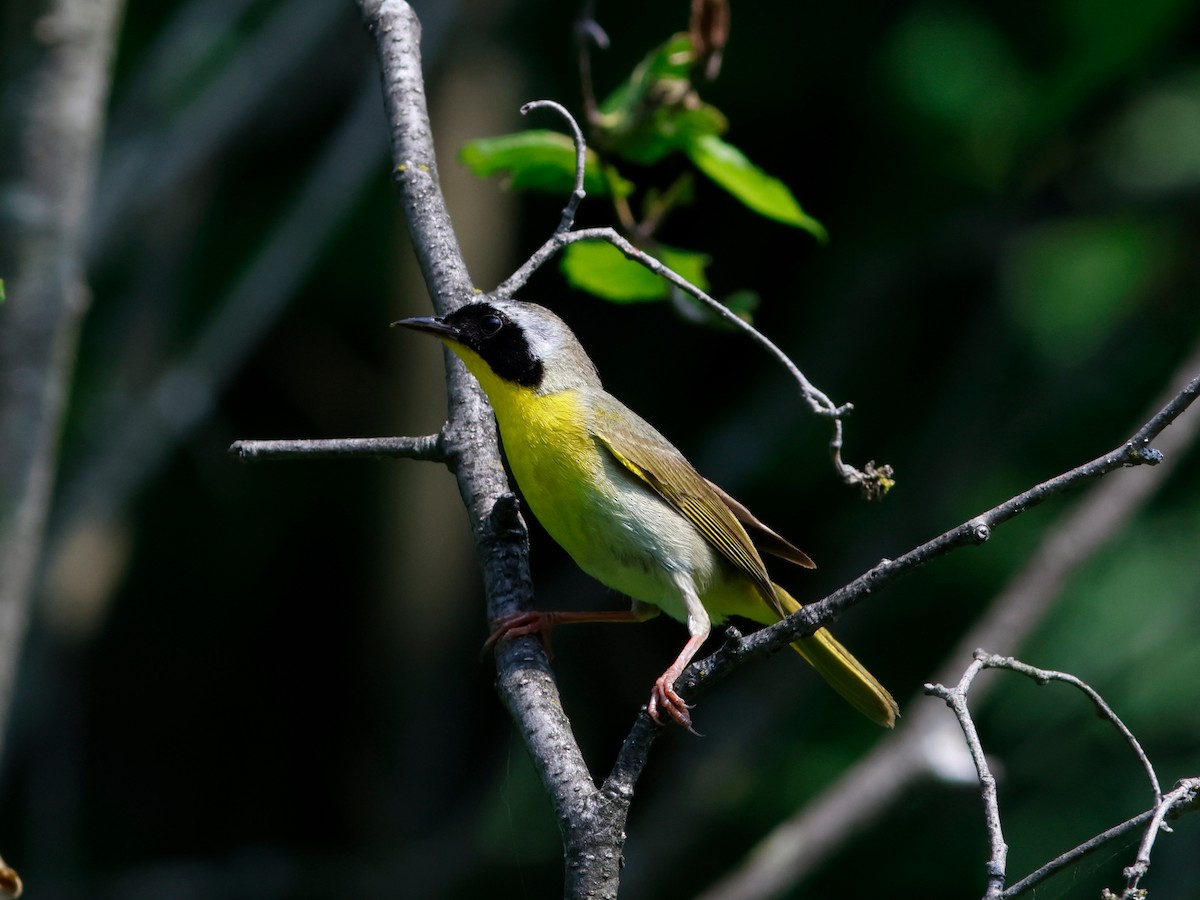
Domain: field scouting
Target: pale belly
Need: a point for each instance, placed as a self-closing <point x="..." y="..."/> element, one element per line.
<point x="615" y="527"/>
<point x="625" y="536"/>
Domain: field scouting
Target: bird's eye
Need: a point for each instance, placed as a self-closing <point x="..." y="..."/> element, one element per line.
<point x="490" y="325"/>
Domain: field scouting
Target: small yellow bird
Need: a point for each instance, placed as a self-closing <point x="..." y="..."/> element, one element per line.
<point x="625" y="504"/>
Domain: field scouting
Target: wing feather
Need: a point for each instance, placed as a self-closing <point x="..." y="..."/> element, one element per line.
<point x="654" y="460"/>
<point x="766" y="540"/>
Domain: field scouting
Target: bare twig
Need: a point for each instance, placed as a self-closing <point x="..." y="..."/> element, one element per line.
<point x="577" y="192"/>
<point x="427" y="447"/>
<point x="1043" y="676"/>
<point x="877" y="782"/>
<point x="956" y="699"/>
<point x="873" y="481"/>
<point x="1135" y="451"/>
<point x="1074" y="855"/>
<point x="1180" y="799"/>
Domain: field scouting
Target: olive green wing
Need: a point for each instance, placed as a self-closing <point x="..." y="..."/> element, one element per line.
<point x="654" y="461"/>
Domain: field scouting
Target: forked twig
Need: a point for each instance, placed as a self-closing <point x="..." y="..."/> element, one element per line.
<point x="1183" y="797"/>
<point x="1045" y="676"/>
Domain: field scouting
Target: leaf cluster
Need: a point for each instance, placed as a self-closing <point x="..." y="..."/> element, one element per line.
<point x="653" y="123"/>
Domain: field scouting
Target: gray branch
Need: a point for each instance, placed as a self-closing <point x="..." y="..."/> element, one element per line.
<point x="55" y="56"/>
<point x="427" y="447"/>
<point x="1133" y="452"/>
<point x="872" y="481"/>
<point x="1176" y="802"/>
<point x="881" y="779"/>
<point x="1181" y="799"/>
<point x="592" y="819"/>
<point x="956" y="699"/>
<point x="592" y="823"/>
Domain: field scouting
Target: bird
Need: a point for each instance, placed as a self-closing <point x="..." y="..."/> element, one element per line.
<point x="625" y="504"/>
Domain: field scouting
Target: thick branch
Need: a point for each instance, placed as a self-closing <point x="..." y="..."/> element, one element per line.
<point x="55" y="56"/>
<point x="592" y="825"/>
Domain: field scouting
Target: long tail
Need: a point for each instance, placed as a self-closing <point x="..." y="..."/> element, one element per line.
<point x="845" y="674"/>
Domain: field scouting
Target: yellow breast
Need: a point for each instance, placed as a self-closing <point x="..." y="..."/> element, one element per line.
<point x="614" y="527"/>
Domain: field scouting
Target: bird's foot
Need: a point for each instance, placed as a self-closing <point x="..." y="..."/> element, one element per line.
<point x="664" y="695"/>
<point x="519" y="624"/>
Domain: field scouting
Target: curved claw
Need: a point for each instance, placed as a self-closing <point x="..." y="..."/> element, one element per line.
<point x="665" y="695"/>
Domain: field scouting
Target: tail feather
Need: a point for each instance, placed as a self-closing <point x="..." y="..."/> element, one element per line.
<point x="845" y="674"/>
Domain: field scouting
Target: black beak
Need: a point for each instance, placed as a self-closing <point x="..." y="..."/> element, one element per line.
<point x="430" y="325"/>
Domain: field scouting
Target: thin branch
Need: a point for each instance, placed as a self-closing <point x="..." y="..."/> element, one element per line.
<point x="1135" y="451"/>
<point x="1043" y="676"/>
<point x="427" y="447"/>
<point x="956" y="699"/>
<point x="872" y="481"/>
<point x="863" y="794"/>
<point x="1076" y="854"/>
<point x="556" y="241"/>
<point x="577" y="191"/>
<point x="1180" y="800"/>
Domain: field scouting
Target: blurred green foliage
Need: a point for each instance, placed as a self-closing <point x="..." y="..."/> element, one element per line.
<point x="263" y="681"/>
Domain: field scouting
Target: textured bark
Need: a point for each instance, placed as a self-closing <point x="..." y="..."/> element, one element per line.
<point x="592" y="821"/>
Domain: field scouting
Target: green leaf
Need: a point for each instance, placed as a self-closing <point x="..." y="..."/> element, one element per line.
<point x="657" y="79"/>
<point x="601" y="269"/>
<point x="726" y="165"/>
<point x="1" y="290"/>
<point x="664" y="131"/>
<point x="539" y="160"/>
<point x="657" y="111"/>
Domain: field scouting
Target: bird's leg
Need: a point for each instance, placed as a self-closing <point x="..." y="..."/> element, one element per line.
<point x="663" y="694"/>
<point x="518" y="624"/>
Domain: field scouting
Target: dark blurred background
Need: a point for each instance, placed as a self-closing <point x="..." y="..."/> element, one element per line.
<point x="264" y="681"/>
